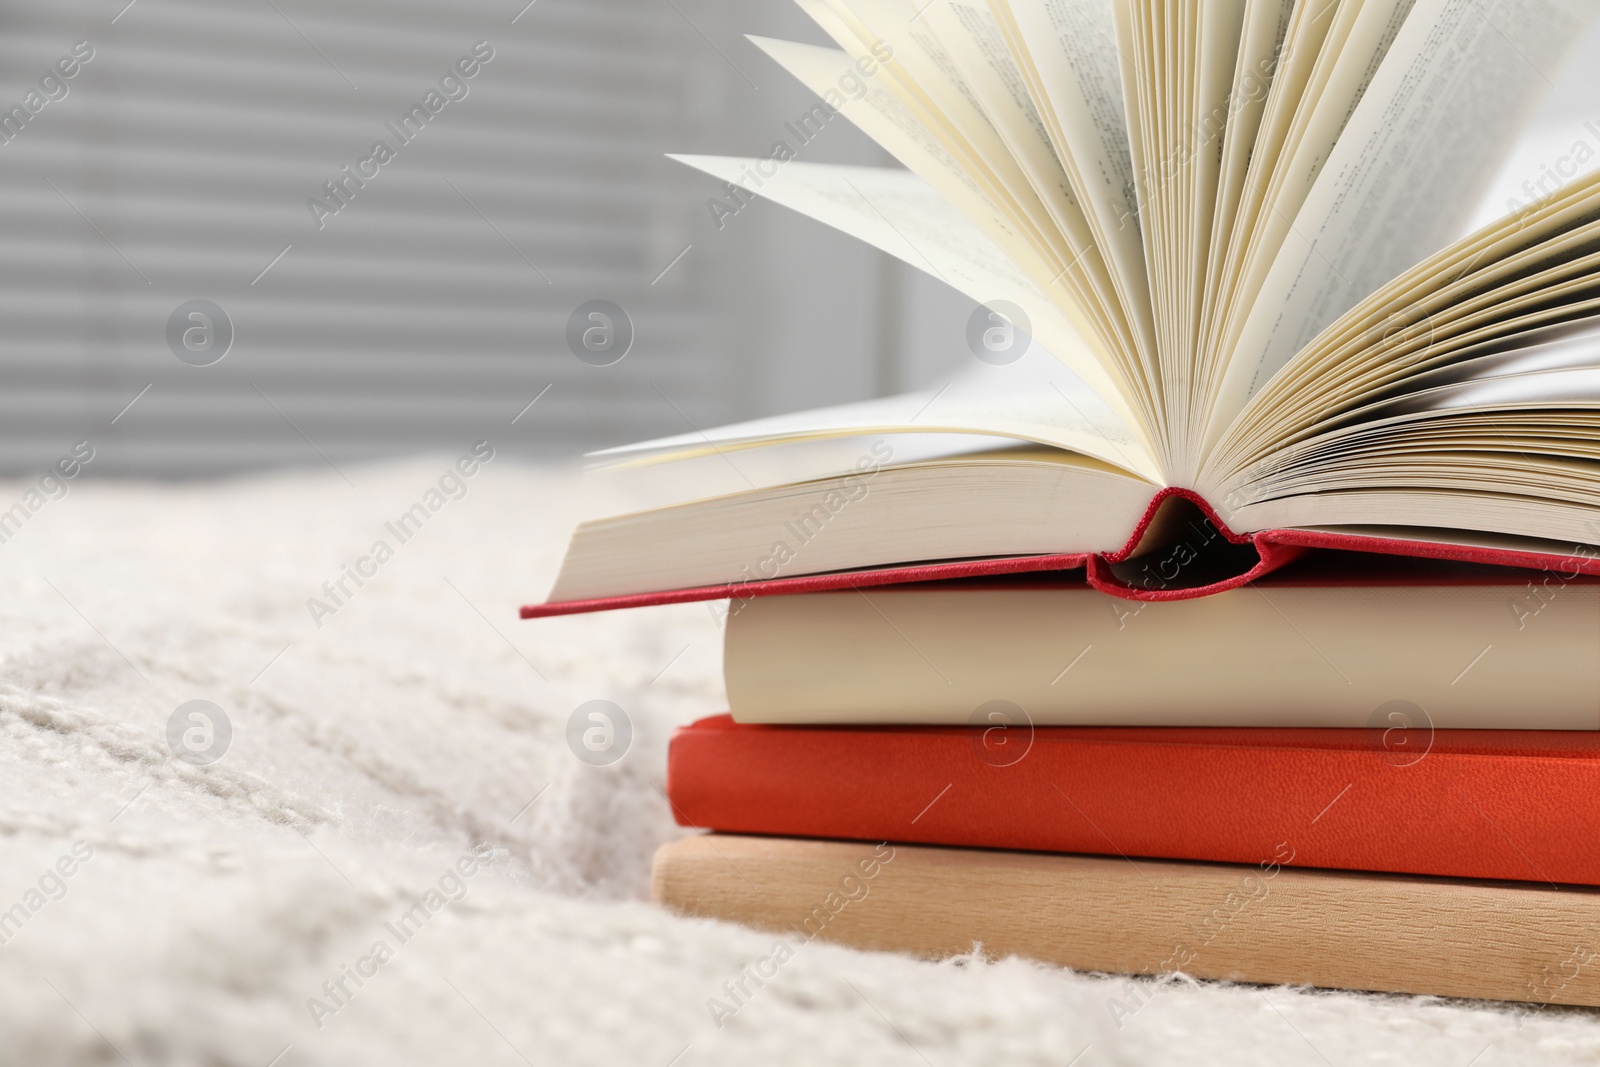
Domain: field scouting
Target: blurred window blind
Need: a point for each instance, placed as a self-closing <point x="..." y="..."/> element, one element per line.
<point x="429" y="310"/>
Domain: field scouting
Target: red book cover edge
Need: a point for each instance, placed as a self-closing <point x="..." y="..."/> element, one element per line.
<point x="1513" y="805"/>
<point x="1274" y="549"/>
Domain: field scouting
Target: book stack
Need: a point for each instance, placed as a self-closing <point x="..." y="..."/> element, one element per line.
<point x="1236" y="612"/>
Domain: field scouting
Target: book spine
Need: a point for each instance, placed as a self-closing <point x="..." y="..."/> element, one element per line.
<point x="1507" y="816"/>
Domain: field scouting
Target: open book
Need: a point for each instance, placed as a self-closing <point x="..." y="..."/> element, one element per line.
<point x="1227" y="312"/>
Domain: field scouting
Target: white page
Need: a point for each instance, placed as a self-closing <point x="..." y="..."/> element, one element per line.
<point x="1071" y="45"/>
<point x="1266" y="23"/>
<point x="885" y="118"/>
<point x="1559" y="347"/>
<point x="898" y="129"/>
<point x="921" y="55"/>
<point x="1293" y="62"/>
<point x="1333" y="51"/>
<point x="902" y="215"/>
<point x="1266" y="26"/>
<point x="975" y="45"/>
<point x="832" y="23"/>
<point x="1034" y="399"/>
<point x="1405" y="172"/>
<point x="927" y="79"/>
<point x="658" y="480"/>
<point x="1565" y="387"/>
<point x="1218" y="105"/>
<point x="1178" y="68"/>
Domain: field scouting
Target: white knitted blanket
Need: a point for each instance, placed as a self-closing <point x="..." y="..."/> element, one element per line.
<point x="399" y="859"/>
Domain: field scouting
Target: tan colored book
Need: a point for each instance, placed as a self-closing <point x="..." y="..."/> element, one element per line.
<point x="1264" y="923"/>
<point x="1308" y="645"/>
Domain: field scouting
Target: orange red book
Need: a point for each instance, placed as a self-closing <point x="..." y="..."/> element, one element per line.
<point x="1488" y="804"/>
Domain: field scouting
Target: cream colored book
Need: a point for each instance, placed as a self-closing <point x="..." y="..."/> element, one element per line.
<point x="1263" y="923"/>
<point x="1218" y="251"/>
<point x="1309" y="645"/>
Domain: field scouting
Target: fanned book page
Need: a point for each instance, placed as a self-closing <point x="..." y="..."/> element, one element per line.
<point x="1227" y="234"/>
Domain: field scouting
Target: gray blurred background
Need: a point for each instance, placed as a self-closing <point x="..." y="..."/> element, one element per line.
<point x="431" y="309"/>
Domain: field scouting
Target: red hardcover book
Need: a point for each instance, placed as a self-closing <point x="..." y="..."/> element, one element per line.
<point x="1499" y="804"/>
<point x="1387" y="387"/>
<point x="1272" y="549"/>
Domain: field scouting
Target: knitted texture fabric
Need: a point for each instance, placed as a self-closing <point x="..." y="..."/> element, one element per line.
<point x="399" y="855"/>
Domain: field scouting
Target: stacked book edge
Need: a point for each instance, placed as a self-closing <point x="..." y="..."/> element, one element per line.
<point x="1260" y="923"/>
